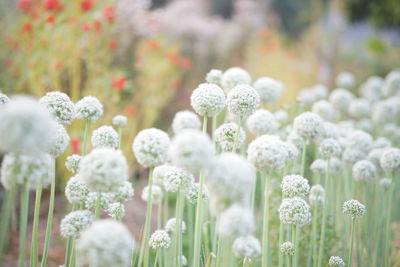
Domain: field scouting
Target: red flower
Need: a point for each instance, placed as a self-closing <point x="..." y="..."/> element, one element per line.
<point x="185" y="63"/>
<point x="109" y="13"/>
<point x="153" y="44"/>
<point x="119" y="83"/>
<point x="173" y="57"/>
<point x="129" y="110"/>
<point x="50" y="19"/>
<point x="87" y="27"/>
<point x="97" y="26"/>
<point x="9" y="62"/>
<point x="112" y="44"/>
<point x="52" y="5"/>
<point x="59" y="64"/>
<point x="75" y="144"/>
<point x="176" y="83"/>
<point x="86" y="5"/>
<point x="27" y="27"/>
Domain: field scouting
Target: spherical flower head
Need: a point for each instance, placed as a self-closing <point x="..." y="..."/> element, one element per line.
<point x="390" y="160"/>
<point x="359" y="140"/>
<point x="120" y="121"/>
<point x="319" y="166"/>
<point x="331" y="130"/>
<point x="246" y="247"/>
<point x="341" y="99"/>
<point x="76" y="191"/>
<point x="192" y="193"/>
<point x="3" y="99"/>
<point x="317" y="195"/>
<point x="372" y="89"/>
<point x="60" y="107"/>
<point x="234" y="76"/>
<point x="262" y="122"/>
<point x="324" y="109"/>
<point x="330" y="147"/>
<point x="382" y="142"/>
<point x="385" y="183"/>
<point x="307" y="97"/>
<point x="116" y="210"/>
<point x="360" y="108"/>
<point x="320" y="91"/>
<point x="92" y="199"/>
<point x="72" y="162"/>
<point x="106" y="243"/>
<point x="309" y="126"/>
<point x="294" y="186"/>
<point x="242" y="100"/>
<point x="392" y="84"/>
<point x="345" y="80"/>
<point x="124" y="193"/>
<point x="291" y="151"/>
<point x="270" y="90"/>
<point x="365" y="171"/>
<point x="88" y="108"/>
<point x="208" y="98"/>
<point x="105" y="136"/>
<point x="384" y="112"/>
<point x="170" y="226"/>
<point x="192" y="150"/>
<point x="374" y="156"/>
<point x="29" y="169"/>
<point x="177" y="179"/>
<point x="150" y="147"/>
<point x="287" y="248"/>
<point x="296" y="140"/>
<point x="236" y="221"/>
<point x="25" y="126"/>
<point x="185" y="119"/>
<point x="156" y="194"/>
<point x="225" y="136"/>
<point x="214" y="76"/>
<point x="59" y="142"/>
<point x="351" y="156"/>
<point x="282" y="117"/>
<point x="336" y="261"/>
<point x="353" y="208"/>
<point x="160" y="239"/>
<point x="294" y="211"/>
<point x="159" y="174"/>
<point x="103" y="170"/>
<point x="335" y="166"/>
<point x="75" y="222"/>
<point x="267" y="153"/>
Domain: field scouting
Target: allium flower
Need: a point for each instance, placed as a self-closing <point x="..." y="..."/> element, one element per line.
<point x="72" y="162"/>
<point x="29" y="169"/>
<point x="341" y="99"/>
<point x="170" y="226"/>
<point x="365" y="171"/>
<point x="177" y="179"/>
<point x="320" y="91"/>
<point x="267" y="153"/>
<point x="25" y="126"/>
<point x="262" y="122"/>
<point x="59" y="142"/>
<point x="294" y="211"/>
<point x="270" y="90"/>
<point x="324" y="109"/>
<point x="353" y="208"/>
<point x="335" y="166"/>
<point x="208" y="98"/>
<point x="124" y="193"/>
<point x="317" y="195"/>
<point x="60" y="107"/>
<point x="351" y="156"/>
<point x="236" y="221"/>
<point x="76" y="191"/>
<point x="384" y="111"/>
<point x="345" y="80"/>
<point x="287" y="248"/>
<point x="192" y="150"/>
<point x="3" y="99"/>
<point x="392" y="84"/>
<point x="372" y="88"/>
<point x="88" y="108"/>
<point x="106" y="243"/>
<point x="160" y="239"/>
<point x="75" y="222"/>
<point x="156" y="194"/>
<point x="382" y="142"/>
<point x="294" y="186"/>
<point x="150" y="147"/>
<point x="159" y="174"/>
<point x="185" y="120"/>
<point x="296" y="140"/>
<point x="105" y="136"/>
<point x="390" y="160"/>
<point x="192" y="193"/>
<point x="331" y="130"/>
<point x="242" y="100"/>
<point x="214" y="76"/>
<point x="360" y="108"/>
<point x="307" y="97"/>
<point x="309" y="125"/>
<point x="92" y="199"/>
<point x="359" y="140"/>
<point x="120" y="121"/>
<point x="234" y="76"/>
<point x="116" y="210"/>
<point x="374" y="156"/>
<point x="330" y="147"/>
<point x="103" y="170"/>
<point x="281" y="116"/>
<point x="319" y="166"/>
<point x="385" y="183"/>
<point x="291" y="151"/>
<point x="336" y="261"/>
<point x="246" y="247"/>
<point x="225" y="136"/>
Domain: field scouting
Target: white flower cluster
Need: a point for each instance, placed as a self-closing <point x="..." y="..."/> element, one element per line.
<point x="76" y="191"/>
<point x="295" y="186"/>
<point x="345" y="80"/>
<point x="72" y="162"/>
<point x="364" y="171"/>
<point x="88" y="108"/>
<point x="93" y="197"/>
<point x="353" y="208"/>
<point x="392" y="84"/>
<point x="317" y="195"/>
<point x="291" y="151"/>
<point x="287" y="248"/>
<point x="3" y="99"/>
<point x="242" y="100"/>
<point x="336" y="261"/>
<point x="105" y="136"/>
<point x="270" y="90"/>
<point x="319" y="166"/>
<point x="225" y="136"/>
<point x="262" y="122"/>
<point x="267" y="153"/>
<point x="341" y="99"/>
<point x="120" y="120"/>
<point x="59" y="142"/>
<point x="330" y="147"/>
<point x="116" y="210"/>
<point x="160" y="239"/>
<point x="176" y="178"/>
<point x="208" y="98"/>
<point x="390" y="160"/>
<point x="309" y="126"/>
<point x="234" y="76"/>
<point x="246" y="247"/>
<point x="351" y="156"/>
<point x="282" y="117"/>
<point x="192" y="193"/>
<point x="159" y="174"/>
<point x="360" y="108"/>
<point x="185" y="119"/>
<point x="324" y="109"/>
<point x="214" y="76"/>
<point x="60" y="107"/>
<point x="359" y="140"/>
<point x="156" y="194"/>
<point x="123" y="193"/>
<point x="170" y="226"/>
<point x="294" y="211"/>
<point x="236" y="221"/>
<point x="385" y="183"/>
<point x="75" y="222"/>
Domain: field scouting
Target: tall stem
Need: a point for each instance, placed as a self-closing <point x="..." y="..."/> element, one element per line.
<point x="6" y="218"/>
<point x="156" y="260"/>
<point x="265" y="237"/>
<point x="303" y="158"/>
<point x="69" y="243"/>
<point x="178" y="230"/>
<point x="220" y="251"/>
<point x="387" y="227"/>
<point x="205" y="123"/>
<point x="85" y="134"/>
<point x="296" y="245"/>
<point x="253" y="192"/>
<point x="235" y="142"/>
<point x="314" y="236"/>
<point x="214" y="126"/>
<point x="119" y="136"/>
<point x="324" y="212"/>
<point x="350" y="258"/>
<point x="34" y="241"/>
<point x="280" y="243"/>
<point x="23" y="223"/>
<point x="293" y="243"/>
<point x="98" y="204"/>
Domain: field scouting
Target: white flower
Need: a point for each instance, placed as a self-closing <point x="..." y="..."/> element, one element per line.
<point x="105" y="136"/>
<point x="392" y="83"/>
<point x="75" y="222"/>
<point x="384" y="111"/>
<point x="309" y="125"/>
<point x="103" y="170"/>
<point x="341" y="99"/>
<point x="390" y="160"/>
<point x="208" y="98"/>
<point x="345" y="80"/>
<point x="60" y="107"/>
<point x="185" y="120"/>
<point x="262" y="122"/>
<point x="267" y="153"/>
<point x="93" y="197"/>
<point x="382" y="142"/>
<point x="294" y="211"/>
<point x="320" y="91"/>
<point x="25" y="126"/>
<point x="294" y="186"/>
<point x="192" y="150"/>
<point x="324" y="109"/>
<point x="116" y="210"/>
<point x="3" y="99"/>
<point x="359" y="140"/>
<point x="236" y="221"/>
<point x="176" y="178"/>
<point x="307" y="97"/>
<point x="291" y="151"/>
<point x="160" y="239"/>
<point x="353" y="208"/>
<point x="365" y="171"/>
<point x="120" y="120"/>
<point x="192" y="193"/>
<point x="296" y="140"/>
<point x="88" y="108"/>
<point x="234" y="76"/>
<point x="319" y="166"/>
<point x="225" y="136"/>
<point x="385" y="183"/>
<point x="282" y="117"/>
<point x="317" y="195"/>
<point x="330" y="147"/>
<point x="242" y="100"/>
<point x="331" y="130"/>
<point x="336" y="261"/>
<point x="159" y="174"/>
<point x="150" y="147"/>
<point x="372" y="89"/>
<point x="270" y="90"/>
<point x="246" y="247"/>
<point x="374" y="156"/>
<point x="335" y="166"/>
<point x="156" y="194"/>
<point x="287" y="248"/>
<point x="59" y="142"/>
<point x="76" y="191"/>
<point x="124" y="193"/>
<point x="72" y="162"/>
<point x="360" y="108"/>
<point x="214" y="76"/>
<point x="351" y="156"/>
<point x="184" y="261"/>
<point x="170" y="225"/>
<point x="106" y="243"/>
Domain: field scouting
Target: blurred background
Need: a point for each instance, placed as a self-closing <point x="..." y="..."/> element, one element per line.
<point x="143" y="58"/>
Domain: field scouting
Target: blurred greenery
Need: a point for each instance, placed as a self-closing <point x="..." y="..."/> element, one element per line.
<point x="382" y="13"/>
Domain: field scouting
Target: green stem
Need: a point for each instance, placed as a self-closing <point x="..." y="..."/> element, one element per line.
<point x="350" y="258"/>
<point x="293" y="243"/>
<point x="159" y="214"/>
<point x="314" y="236"/>
<point x="178" y="231"/>
<point x="198" y="223"/>
<point x="6" y="218"/>
<point x="235" y="142"/>
<point x="69" y="243"/>
<point x="387" y="227"/>
<point x="324" y="212"/>
<point x="280" y="243"/>
<point x="23" y="223"/>
<point x="253" y="192"/>
<point x="34" y="242"/>
<point x="85" y="134"/>
<point x="265" y="236"/>
<point x="157" y="259"/>
<point x="296" y="245"/>
<point x="205" y="123"/>
<point x="119" y="136"/>
<point x="303" y="158"/>
<point x="220" y="251"/>
<point x="98" y="204"/>
<point x="214" y="127"/>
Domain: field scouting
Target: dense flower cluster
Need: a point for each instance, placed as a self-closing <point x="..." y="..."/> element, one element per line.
<point x="294" y="211"/>
<point x="294" y="186"/>
<point x="353" y="208"/>
<point x="208" y="99"/>
<point x="225" y="136"/>
<point x="60" y="106"/>
<point x="88" y="108"/>
<point x="185" y="120"/>
<point x="105" y="136"/>
<point x="160" y="239"/>
<point x="242" y="100"/>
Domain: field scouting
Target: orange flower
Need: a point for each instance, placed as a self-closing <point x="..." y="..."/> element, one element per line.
<point x="112" y="44"/>
<point x="97" y="26"/>
<point x="26" y="27"/>
<point x="75" y="144"/>
<point x="50" y="19"/>
<point x="52" y="5"/>
<point x="185" y="63"/>
<point x="130" y="110"/>
<point x="86" y="5"/>
<point x="153" y="44"/>
<point x="109" y="13"/>
<point x="119" y="83"/>
<point x="176" y="83"/>
<point x="173" y="57"/>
